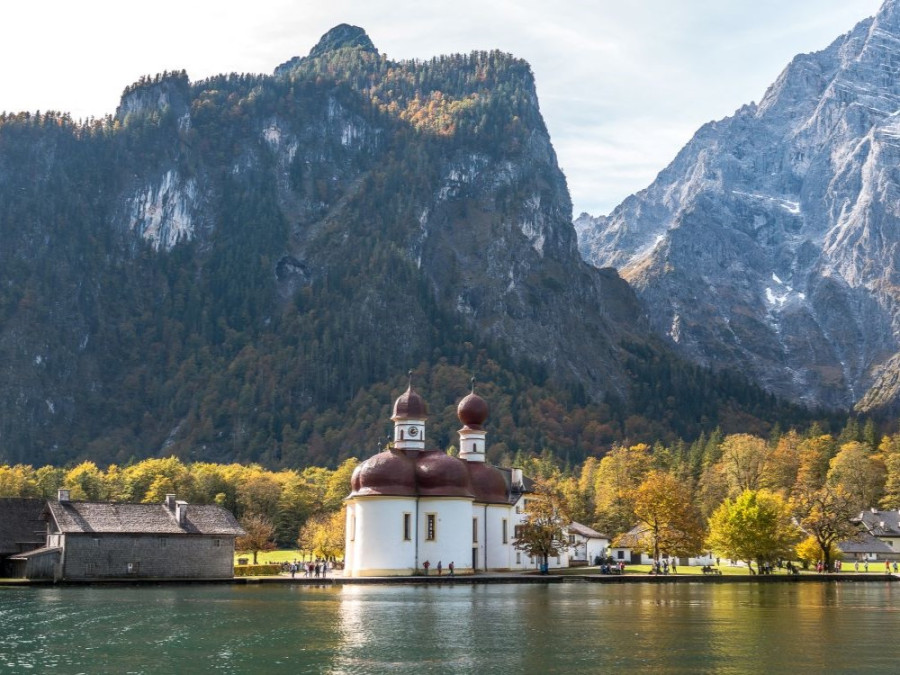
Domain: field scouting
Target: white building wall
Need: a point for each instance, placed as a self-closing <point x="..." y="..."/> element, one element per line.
<point x="588" y="548"/>
<point x="493" y="553"/>
<point x="375" y="543"/>
<point x="452" y="540"/>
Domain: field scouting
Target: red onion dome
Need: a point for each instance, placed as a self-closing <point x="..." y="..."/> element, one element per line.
<point x="440" y="475"/>
<point x="410" y="406"/>
<point x="488" y="483"/>
<point x="389" y="473"/>
<point x="472" y="411"/>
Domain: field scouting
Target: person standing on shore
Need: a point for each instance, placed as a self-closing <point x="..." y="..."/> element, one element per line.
<point x="439" y="567"/>
<point x="451" y="567"/>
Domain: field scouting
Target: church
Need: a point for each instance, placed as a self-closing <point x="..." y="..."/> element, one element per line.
<point x="413" y="511"/>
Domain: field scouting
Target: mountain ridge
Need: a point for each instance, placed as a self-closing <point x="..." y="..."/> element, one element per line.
<point x="244" y="267"/>
<point x="767" y="243"/>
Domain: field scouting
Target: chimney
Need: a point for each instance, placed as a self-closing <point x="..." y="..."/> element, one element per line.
<point x="62" y="495"/>
<point x="170" y="502"/>
<point x="180" y="512"/>
<point x="516" y="479"/>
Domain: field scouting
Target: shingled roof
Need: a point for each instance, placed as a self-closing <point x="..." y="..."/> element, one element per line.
<point x="865" y="544"/>
<point x="881" y="523"/>
<point x="104" y="518"/>
<point x="21" y="525"/>
<point x="585" y="531"/>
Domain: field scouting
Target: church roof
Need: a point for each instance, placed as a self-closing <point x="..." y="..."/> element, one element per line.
<point x="425" y="474"/>
<point x="472" y="411"/>
<point x="410" y="406"/>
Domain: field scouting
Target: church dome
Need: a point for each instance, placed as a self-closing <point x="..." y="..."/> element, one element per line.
<point x="410" y="406"/>
<point x="440" y="475"/>
<point x="472" y="411"/>
<point x="389" y="473"/>
<point x="488" y="483"/>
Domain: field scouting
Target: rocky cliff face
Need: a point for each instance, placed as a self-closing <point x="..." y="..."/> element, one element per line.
<point x="772" y="241"/>
<point x="221" y="263"/>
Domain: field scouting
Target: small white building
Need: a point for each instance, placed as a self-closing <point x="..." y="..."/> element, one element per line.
<point x="411" y="509"/>
<point x="623" y="551"/>
<point x="586" y="545"/>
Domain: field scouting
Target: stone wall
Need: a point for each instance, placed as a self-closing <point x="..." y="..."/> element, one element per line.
<point x="123" y="556"/>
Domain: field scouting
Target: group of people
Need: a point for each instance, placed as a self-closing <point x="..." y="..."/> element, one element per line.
<point x="663" y="566"/>
<point x="440" y="567"/>
<point x="316" y="569"/>
<point x="612" y="567"/>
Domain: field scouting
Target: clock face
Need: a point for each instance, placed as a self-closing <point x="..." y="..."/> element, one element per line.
<point x="413" y="431"/>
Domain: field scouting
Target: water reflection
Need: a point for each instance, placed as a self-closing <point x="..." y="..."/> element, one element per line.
<point x="571" y="628"/>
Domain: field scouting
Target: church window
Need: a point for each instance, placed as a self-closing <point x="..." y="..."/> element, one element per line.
<point x="430" y="527"/>
<point x="504" y="532"/>
<point x="475" y="530"/>
<point x="407" y="526"/>
<point x="352" y="527"/>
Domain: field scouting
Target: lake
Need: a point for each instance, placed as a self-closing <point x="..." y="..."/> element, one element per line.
<point x="498" y="628"/>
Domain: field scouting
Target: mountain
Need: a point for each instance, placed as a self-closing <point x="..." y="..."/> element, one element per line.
<point x="245" y="267"/>
<point x="771" y="243"/>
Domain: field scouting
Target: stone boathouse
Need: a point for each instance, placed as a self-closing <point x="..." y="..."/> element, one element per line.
<point x="88" y="541"/>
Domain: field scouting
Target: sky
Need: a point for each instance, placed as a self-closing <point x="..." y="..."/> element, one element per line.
<point x="622" y="84"/>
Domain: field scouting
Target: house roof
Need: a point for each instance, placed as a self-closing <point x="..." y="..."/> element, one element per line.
<point x="881" y="523"/>
<point x="585" y="531"/>
<point x="36" y="553"/>
<point x="866" y="543"/>
<point x="632" y="538"/>
<point x="107" y="518"/>
<point x="21" y="525"/>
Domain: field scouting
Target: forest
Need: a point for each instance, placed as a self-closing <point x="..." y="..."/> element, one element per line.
<point x="275" y="334"/>
<point x="684" y="488"/>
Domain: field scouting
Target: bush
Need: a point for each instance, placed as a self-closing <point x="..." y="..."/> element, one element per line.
<point x="256" y="570"/>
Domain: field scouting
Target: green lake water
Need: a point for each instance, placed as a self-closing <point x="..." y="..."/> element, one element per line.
<point x="506" y="628"/>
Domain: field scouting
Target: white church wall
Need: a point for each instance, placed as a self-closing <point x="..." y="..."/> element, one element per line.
<point x="450" y="538"/>
<point x="376" y="541"/>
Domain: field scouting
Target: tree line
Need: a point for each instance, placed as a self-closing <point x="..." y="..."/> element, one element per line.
<point x="285" y="500"/>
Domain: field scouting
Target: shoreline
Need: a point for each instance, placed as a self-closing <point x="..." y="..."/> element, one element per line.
<point x="478" y="579"/>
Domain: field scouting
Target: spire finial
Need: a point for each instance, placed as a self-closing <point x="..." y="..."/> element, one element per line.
<point x="472" y="382"/>
<point x="409" y="375"/>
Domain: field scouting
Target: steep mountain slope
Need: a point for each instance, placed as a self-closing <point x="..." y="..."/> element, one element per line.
<point x="221" y="263"/>
<point x="244" y="268"/>
<point x="771" y="242"/>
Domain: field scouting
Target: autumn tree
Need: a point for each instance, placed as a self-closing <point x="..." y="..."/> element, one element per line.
<point x="891" y="498"/>
<point x="743" y="459"/>
<point x="815" y="454"/>
<point x="542" y="534"/>
<point x="783" y="464"/>
<point x="825" y="514"/>
<point x="859" y="472"/>
<point x="323" y="535"/>
<point x="755" y="526"/>
<point x="259" y="535"/>
<point x="809" y="552"/>
<point x="615" y="479"/>
<point x="667" y="520"/>
<point x="85" y="483"/>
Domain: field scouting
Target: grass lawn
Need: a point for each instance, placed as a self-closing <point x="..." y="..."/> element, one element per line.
<point x="683" y="570"/>
<point x="273" y="557"/>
